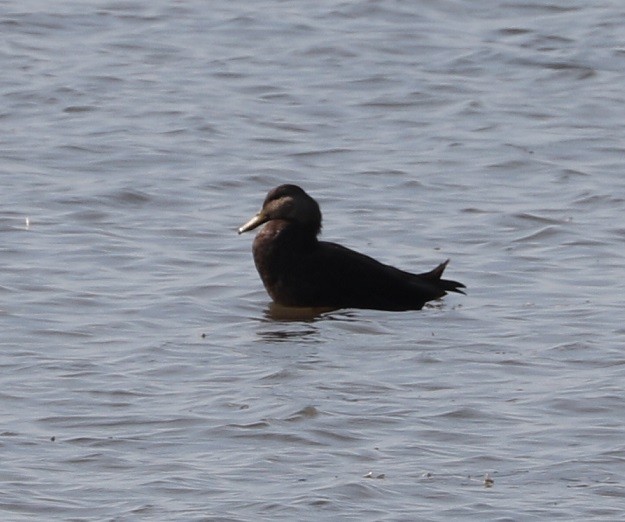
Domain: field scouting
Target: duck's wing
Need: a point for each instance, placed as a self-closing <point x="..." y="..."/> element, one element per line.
<point x="345" y="278"/>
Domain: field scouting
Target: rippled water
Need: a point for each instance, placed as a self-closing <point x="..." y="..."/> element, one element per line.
<point x="144" y="374"/>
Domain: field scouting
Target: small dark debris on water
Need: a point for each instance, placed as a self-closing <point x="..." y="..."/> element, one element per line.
<point x="53" y="438"/>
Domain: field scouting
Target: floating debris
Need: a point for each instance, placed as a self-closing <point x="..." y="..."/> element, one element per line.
<point x="370" y="475"/>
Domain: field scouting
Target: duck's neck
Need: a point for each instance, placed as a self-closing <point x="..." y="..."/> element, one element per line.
<point x="293" y="235"/>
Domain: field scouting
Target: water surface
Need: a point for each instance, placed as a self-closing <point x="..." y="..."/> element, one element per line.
<point x="143" y="372"/>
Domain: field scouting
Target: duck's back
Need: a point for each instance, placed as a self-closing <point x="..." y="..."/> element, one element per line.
<point x="354" y="280"/>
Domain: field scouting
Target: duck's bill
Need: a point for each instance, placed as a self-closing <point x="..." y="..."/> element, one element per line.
<point x="256" y="221"/>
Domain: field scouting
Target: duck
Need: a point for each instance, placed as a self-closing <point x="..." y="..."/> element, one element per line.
<point x="299" y="270"/>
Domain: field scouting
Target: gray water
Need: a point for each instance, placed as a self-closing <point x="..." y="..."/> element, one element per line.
<point x="144" y="375"/>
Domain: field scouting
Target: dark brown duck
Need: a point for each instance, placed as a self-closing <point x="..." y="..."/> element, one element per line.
<point x="299" y="270"/>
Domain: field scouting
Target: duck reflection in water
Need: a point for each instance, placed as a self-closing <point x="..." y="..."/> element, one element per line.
<point x="298" y="270"/>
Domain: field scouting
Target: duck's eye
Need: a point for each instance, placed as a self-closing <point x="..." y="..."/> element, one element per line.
<point x="286" y="205"/>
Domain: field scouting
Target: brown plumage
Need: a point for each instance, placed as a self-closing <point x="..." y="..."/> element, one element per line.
<point x="299" y="270"/>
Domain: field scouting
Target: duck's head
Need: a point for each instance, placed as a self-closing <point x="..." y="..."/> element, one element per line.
<point x="288" y="203"/>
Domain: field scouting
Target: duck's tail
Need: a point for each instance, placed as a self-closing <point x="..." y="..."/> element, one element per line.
<point x="445" y="284"/>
